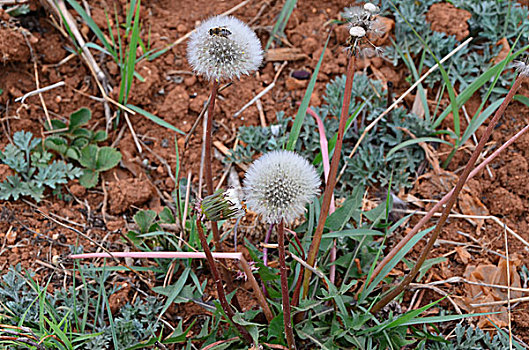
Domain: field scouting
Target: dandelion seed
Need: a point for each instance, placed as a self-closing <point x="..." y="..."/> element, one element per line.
<point x="223" y="48"/>
<point x="357" y="32"/>
<point x="278" y="185"/>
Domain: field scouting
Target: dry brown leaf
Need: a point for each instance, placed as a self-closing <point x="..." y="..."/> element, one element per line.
<point x="504" y="52"/>
<point x="495" y="275"/>
<point x="463" y="254"/>
<point x="418" y="107"/>
<point x="471" y="205"/>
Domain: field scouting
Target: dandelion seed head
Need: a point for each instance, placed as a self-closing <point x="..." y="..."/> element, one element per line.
<point x="363" y="25"/>
<point x="278" y="185"/>
<point x="522" y="68"/>
<point x="223" y="48"/>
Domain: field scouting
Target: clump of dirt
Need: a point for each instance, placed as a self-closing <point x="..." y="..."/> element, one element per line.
<point x="5" y="171"/>
<point x="13" y="47"/>
<point x="448" y="19"/>
<point x="127" y="192"/>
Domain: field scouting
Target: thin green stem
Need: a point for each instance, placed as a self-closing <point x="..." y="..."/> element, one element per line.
<point x="451" y="201"/>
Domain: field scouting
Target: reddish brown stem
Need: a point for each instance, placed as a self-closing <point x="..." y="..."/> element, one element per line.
<point x="284" y="286"/>
<point x="331" y="182"/>
<point x="451" y="201"/>
<point x="218" y="283"/>
<point x="209" y="185"/>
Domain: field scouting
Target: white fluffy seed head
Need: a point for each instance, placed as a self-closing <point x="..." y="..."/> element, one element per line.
<point x="278" y="185"/>
<point x="357" y="32"/>
<point x="522" y="68"/>
<point x="223" y="48"/>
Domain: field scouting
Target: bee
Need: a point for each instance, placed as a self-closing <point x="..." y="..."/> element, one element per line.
<point x="219" y="31"/>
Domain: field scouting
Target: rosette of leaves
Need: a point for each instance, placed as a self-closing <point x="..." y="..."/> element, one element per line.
<point x="32" y="169"/>
<point x="74" y="141"/>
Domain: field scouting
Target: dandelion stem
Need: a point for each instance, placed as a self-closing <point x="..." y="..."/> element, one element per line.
<point x="331" y="183"/>
<point x="218" y="283"/>
<point x="207" y="163"/>
<point x="284" y="286"/>
<point x="450" y="202"/>
<point x="209" y="184"/>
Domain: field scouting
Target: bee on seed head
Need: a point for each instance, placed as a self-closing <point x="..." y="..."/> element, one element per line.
<point x="219" y="31"/>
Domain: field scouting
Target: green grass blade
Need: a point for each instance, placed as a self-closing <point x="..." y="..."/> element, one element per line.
<point x="450" y="88"/>
<point x="282" y="21"/>
<point x="92" y="25"/>
<point x="475" y="123"/>
<point x="133" y="46"/>
<point x="176" y="290"/>
<point x="393" y="262"/>
<point x="302" y="111"/>
<point x="358" y="232"/>
<point x="522" y="99"/>
<point x="483" y="79"/>
<point x="413" y="142"/>
<point x="155" y="119"/>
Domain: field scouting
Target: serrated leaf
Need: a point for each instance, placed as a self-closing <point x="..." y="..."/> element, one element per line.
<point x="89" y="179"/>
<point x="100" y="136"/>
<point x="24" y="140"/>
<point x="144" y="219"/>
<point x="107" y="158"/>
<point x="78" y="118"/>
<point x="14" y="187"/>
<point x="166" y="216"/>
<point x="14" y="158"/>
<point x="88" y="157"/>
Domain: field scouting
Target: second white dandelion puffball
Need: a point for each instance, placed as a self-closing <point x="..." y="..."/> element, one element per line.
<point x="223" y="47"/>
<point x="278" y="185"/>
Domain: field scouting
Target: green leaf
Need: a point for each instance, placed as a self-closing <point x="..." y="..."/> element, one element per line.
<point x="78" y="118"/>
<point x="88" y="157"/>
<point x="144" y="219"/>
<point x="56" y="124"/>
<point x="99" y="136"/>
<point x="89" y="179"/>
<point x="166" y="216"/>
<point x="107" y="158"/>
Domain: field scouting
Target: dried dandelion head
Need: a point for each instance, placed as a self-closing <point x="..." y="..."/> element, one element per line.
<point x="223" y="48"/>
<point x="221" y="205"/>
<point x="522" y="67"/>
<point x="363" y="24"/>
<point x="278" y="185"/>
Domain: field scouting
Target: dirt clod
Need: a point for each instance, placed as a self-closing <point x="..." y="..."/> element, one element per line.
<point x="446" y="18"/>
